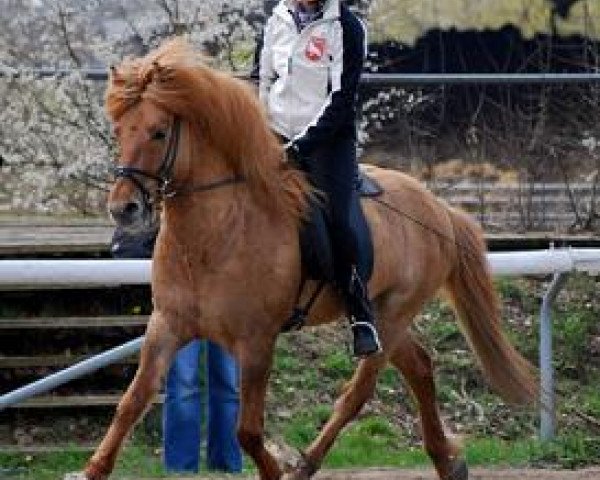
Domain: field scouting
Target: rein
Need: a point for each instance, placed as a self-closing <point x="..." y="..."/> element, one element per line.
<point x="164" y="175"/>
<point x="223" y="182"/>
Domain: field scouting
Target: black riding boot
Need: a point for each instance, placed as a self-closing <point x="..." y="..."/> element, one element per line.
<point x="366" y="339"/>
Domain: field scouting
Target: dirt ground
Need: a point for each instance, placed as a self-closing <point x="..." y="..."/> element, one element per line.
<point x="475" y="474"/>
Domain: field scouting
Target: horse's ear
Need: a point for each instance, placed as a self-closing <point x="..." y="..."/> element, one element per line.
<point x="115" y="77"/>
<point x="160" y="72"/>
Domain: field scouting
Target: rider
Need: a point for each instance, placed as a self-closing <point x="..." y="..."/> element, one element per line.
<point x="310" y="64"/>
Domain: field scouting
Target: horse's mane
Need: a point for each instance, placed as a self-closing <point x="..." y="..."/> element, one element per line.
<point x="225" y="110"/>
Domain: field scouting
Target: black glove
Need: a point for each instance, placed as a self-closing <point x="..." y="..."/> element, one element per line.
<point x="292" y="153"/>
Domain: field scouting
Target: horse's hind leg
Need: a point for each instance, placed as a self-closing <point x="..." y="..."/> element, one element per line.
<point x="416" y="366"/>
<point x="156" y="354"/>
<point x="356" y="392"/>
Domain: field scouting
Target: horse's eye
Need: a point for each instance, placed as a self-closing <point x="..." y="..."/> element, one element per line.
<point x="159" y="135"/>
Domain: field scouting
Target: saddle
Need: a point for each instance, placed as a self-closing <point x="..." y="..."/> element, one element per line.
<point x="317" y="250"/>
<point x="315" y="242"/>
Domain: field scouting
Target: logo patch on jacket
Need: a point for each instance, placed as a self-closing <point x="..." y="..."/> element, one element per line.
<point x="315" y="48"/>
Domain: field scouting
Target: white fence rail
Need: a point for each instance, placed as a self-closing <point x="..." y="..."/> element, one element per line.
<point x="103" y="272"/>
<point x="85" y="273"/>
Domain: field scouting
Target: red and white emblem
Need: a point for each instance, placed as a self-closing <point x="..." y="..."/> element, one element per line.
<point x="315" y="48"/>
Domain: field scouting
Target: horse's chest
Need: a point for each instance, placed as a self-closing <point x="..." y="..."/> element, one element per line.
<point x="249" y="269"/>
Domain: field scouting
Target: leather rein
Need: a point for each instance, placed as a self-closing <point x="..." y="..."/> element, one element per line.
<point x="164" y="175"/>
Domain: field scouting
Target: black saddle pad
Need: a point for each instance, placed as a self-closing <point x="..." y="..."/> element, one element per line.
<point x="315" y="241"/>
<point x="367" y="186"/>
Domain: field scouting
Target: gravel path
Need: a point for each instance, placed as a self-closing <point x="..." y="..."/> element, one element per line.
<point x="475" y="474"/>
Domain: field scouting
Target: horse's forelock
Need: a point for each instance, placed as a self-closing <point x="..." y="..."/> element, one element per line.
<point x="131" y="80"/>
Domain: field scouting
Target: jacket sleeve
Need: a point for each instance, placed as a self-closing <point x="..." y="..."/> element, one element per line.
<point x="340" y="108"/>
<point x="265" y="64"/>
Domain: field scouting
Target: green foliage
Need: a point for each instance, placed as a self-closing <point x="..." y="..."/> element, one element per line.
<point x="383" y="441"/>
<point x="511" y="290"/>
<point x="338" y="364"/>
<point x="569" y="451"/>
<point x="285" y="360"/>
<point x="302" y="428"/>
<point x="389" y="378"/>
<point x="571" y="332"/>
<point x="494" y="451"/>
<point x="51" y="466"/>
<point x="590" y="401"/>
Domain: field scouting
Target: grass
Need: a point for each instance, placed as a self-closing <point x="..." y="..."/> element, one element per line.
<point x="385" y="444"/>
<point x="311" y="366"/>
<point x="135" y="460"/>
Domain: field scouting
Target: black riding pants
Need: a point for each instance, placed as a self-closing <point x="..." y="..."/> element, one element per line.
<point x="333" y="169"/>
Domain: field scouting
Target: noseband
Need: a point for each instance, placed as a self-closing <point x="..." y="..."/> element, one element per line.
<point x="164" y="175"/>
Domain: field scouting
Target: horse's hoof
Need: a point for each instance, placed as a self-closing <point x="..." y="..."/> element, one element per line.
<point x="460" y="471"/>
<point x="75" y="476"/>
<point x="94" y="471"/>
<point x="302" y="471"/>
<point x="295" y="475"/>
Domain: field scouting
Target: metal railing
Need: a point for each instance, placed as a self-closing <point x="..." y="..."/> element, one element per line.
<point x="84" y="273"/>
<point x="372" y="79"/>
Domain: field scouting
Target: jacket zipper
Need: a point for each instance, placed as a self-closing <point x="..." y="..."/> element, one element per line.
<point x="329" y="79"/>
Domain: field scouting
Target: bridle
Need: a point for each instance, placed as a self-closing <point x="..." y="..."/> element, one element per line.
<point x="164" y="175"/>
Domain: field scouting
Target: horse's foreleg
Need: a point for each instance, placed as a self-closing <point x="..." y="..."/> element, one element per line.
<point x="255" y="364"/>
<point x="157" y="351"/>
<point x="355" y="394"/>
<point x="416" y="366"/>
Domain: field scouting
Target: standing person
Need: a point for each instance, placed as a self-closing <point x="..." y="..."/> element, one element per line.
<point x="310" y="65"/>
<point x="184" y="408"/>
<point x="183" y="412"/>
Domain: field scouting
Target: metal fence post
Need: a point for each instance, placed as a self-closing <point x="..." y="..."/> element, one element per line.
<point x="547" y="408"/>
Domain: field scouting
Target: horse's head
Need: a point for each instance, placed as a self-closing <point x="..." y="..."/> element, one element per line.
<point x="147" y="135"/>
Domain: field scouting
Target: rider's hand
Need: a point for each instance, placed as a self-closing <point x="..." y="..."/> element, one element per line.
<point x="293" y="155"/>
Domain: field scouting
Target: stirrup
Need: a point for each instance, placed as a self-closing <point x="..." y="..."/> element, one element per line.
<point x="373" y="340"/>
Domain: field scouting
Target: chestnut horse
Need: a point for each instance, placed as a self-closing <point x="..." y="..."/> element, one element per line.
<point x="227" y="263"/>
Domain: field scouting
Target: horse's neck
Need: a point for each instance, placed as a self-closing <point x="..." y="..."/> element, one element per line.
<point x="213" y="225"/>
<point x="228" y="216"/>
<point x="200" y="216"/>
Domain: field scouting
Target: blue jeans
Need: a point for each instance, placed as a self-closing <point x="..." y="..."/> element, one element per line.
<point x="184" y="410"/>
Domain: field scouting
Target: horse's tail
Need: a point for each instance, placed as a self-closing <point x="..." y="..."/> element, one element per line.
<point x="474" y="297"/>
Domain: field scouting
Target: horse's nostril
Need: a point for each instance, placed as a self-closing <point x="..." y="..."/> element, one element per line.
<point x="131" y="208"/>
<point x="125" y="213"/>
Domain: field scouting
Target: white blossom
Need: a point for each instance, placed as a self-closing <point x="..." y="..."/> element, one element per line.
<point x="54" y="138"/>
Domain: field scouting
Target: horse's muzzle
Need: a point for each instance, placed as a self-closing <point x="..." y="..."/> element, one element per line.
<point x="129" y="214"/>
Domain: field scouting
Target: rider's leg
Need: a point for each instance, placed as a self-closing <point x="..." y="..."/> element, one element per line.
<point x="366" y="339"/>
<point x="333" y="169"/>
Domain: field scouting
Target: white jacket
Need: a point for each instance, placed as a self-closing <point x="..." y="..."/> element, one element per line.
<point x="308" y="79"/>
